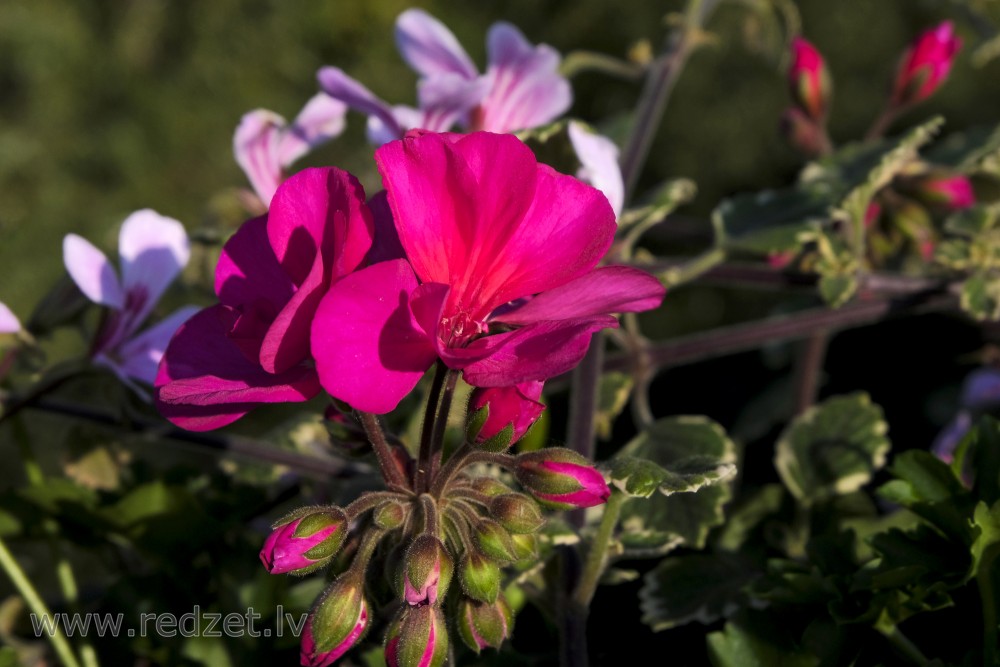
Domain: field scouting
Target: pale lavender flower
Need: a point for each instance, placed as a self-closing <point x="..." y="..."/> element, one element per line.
<point x="980" y="394"/>
<point x="598" y="157"/>
<point x="8" y="320"/>
<point x="265" y="145"/>
<point x="522" y="87"/>
<point x="153" y="250"/>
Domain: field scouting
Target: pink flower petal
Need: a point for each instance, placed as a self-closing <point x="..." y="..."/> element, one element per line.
<point x="339" y="85"/>
<point x="431" y="193"/>
<point x="8" y="320"/>
<point x="286" y="343"/>
<point x="153" y="250"/>
<point x="527" y="89"/>
<point x="319" y="211"/>
<point x="429" y="47"/>
<point x="248" y="271"/>
<point x="568" y="229"/>
<point x="321" y="119"/>
<point x="92" y="272"/>
<point x="369" y="350"/>
<point x="205" y="382"/>
<point x="609" y="289"/>
<point x="140" y="357"/>
<point x="255" y="147"/>
<point x="535" y="352"/>
<point x="385" y="245"/>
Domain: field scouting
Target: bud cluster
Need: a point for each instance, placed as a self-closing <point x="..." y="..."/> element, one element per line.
<point x="461" y="527"/>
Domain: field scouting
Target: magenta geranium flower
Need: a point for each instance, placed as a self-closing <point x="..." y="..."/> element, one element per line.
<point x="522" y="87"/>
<point x="153" y="250"/>
<point x="253" y="346"/>
<point x="265" y="145"/>
<point x="500" y="280"/>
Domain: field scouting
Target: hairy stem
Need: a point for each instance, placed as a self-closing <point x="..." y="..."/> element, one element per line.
<point x="371" y="500"/>
<point x="422" y="471"/>
<point x="37" y="606"/>
<point x="391" y="473"/>
<point x="441" y="422"/>
<point x="593" y="567"/>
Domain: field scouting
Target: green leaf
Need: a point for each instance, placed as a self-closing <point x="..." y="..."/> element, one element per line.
<point x="672" y="444"/>
<point x="929" y="488"/>
<point x="613" y="394"/>
<point x="980" y="296"/>
<point x="641" y="478"/>
<point x="698" y="587"/>
<point x="748" y="514"/>
<point x="832" y="449"/>
<point x="770" y="221"/>
<point x="8" y="657"/>
<point x="9" y="524"/>
<point x="837" y="289"/>
<point x="736" y="647"/>
<point x="976" y="150"/>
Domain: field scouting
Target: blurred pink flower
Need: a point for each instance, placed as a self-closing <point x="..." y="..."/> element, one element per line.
<point x="265" y="145"/>
<point x="8" y="320"/>
<point x="809" y="79"/>
<point x="153" y="250"/>
<point x="926" y="64"/>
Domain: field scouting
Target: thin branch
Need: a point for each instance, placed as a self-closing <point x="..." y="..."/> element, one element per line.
<point x="309" y="466"/>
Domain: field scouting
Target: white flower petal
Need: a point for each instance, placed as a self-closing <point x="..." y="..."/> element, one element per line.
<point x="598" y="157"/>
<point x="92" y="272"/>
<point x="153" y="249"/>
<point x="140" y="357"/>
<point x="8" y="320"/>
<point x="256" y="149"/>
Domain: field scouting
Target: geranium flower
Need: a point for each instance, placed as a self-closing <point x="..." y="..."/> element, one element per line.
<point x="265" y="145"/>
<point x="253" y="346"/>
<point x="496" y="244"/>
<point x="522" y="87"/>
<point x="153" y="250"/>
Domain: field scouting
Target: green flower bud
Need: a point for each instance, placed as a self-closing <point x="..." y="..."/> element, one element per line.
<point x="517" y="513"/>
<point x="389" y="515"/>
<point x="481" y="624"/>
<point x="427" y="571"/>
<point x="493" y="540"/>
<point x="418" y="639"/>
<point x="480" y="577"/>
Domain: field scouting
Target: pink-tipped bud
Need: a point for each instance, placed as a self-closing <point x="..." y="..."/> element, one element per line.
<point x="950" y="192"/>
<point x="872" y="214"/>
<point x="304" y="541"/>
<point x="484" y="625"/>
<point x="809" y="80"/>
<point x="502" y="415"/>
<point x="418" y="639"/>
<point x="427" y="571"/>
<point x="925" y="65"/>
<point x="335" y="625"/>
<point x="562" y="478"/>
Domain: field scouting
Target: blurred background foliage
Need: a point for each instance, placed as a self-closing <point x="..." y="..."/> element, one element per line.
<point x="115" y="105"/>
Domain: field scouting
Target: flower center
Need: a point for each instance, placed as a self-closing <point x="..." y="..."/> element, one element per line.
<point x="459" y="329"/>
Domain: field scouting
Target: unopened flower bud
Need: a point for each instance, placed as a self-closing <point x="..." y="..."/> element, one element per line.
<point x="950" y="192"/>
<point x="490" y="486"/>
<point x="303" y="542"/>
<point x="925" y="65"/>
<point x="482" y="624"/>
<point x="517" y="513"/>
<point x="418" y="639"/>
<point x="389" y="515"/>
<point x="562" y="478"/>
<point x="502" y="415"/>
<point x="336" y="624"/>
<point x="809" y="80"/>
<point x="480" y="577"/>
<point x="493" y="540"/>
<point x="525" y="546"/>
<point x="427" y="571"/>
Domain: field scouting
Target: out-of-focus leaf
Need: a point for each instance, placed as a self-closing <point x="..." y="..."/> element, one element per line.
<point x="8" y="657"/>
<point x="697" y="587"/>
<point x="616" y="575"/>
<point x="832" y="449"/>
<point x="735" y="647"/>
<point x="668" y="443"/>
<point x="9" y="524"/>
<point x="980" y="296"/>
<point x="770" y="221"/>
<point x="208" y="651"/>
<point x="746" y="516"/>
<point x="929" y="488"/>
<point x="976" y="150"/>
<point x="613" y="395"/>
